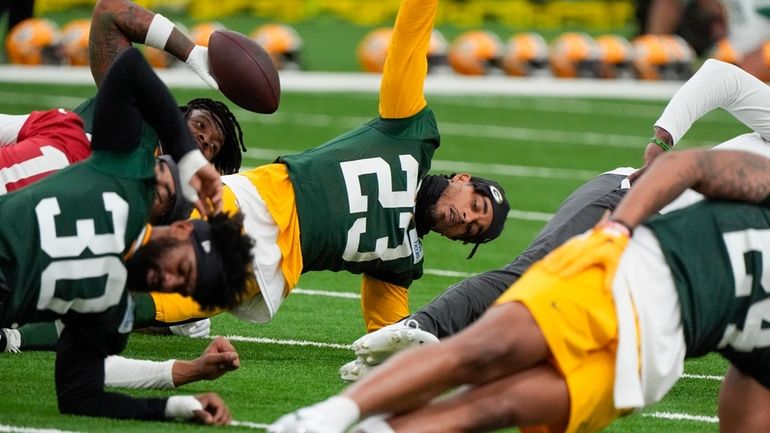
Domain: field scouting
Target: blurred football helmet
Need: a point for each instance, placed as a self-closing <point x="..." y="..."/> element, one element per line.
<point x="35" y="41"/>
<point x="476" y="52"/>
<point x="575" y="55"/>
<point x="653" y="57"/>
<point x="437" y="52"/>
<point x="725" y="52"/>
<point x="282" y="42"/>
<point x="373" y="49"/>
<point x="525" y="54"/>
<point x="616" y="57"/>
<point x="682" y="56"/>
<point x="74" y="38"/>
<point x="201" y="32"/>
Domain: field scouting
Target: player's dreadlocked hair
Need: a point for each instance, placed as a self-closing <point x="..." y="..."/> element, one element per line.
<point x="228" y="160"/>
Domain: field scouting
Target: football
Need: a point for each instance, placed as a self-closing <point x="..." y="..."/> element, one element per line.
<point x="244" y="71"/>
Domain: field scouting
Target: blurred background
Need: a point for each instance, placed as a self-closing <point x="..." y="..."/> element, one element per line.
<point x="610" y="39"/>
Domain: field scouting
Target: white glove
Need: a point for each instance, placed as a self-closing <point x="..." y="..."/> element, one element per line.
<point x="198" y="61"/>
<point x="201" y="328"/>
<point x="334" y="415"/>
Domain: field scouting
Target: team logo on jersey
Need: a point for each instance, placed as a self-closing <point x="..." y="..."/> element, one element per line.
<point x="496" y="194"/>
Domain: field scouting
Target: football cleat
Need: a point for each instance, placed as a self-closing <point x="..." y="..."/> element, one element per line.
<point x="575" y="55"/>
<point x="377" y="346"/>
<point x="476" y="52"/>
<point x="74" y="39"/>
<point x="354" y="370"/>
<point x="525" y="54"/>
<point x="201" y="32"/>
<point x="10" y="340"/>
<point x="283" y="44"/>
<point x="616" y="56"/>
<point x="35" y="41"/>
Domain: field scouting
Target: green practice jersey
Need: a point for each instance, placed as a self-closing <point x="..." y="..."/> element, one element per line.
<point x="62" y="257"/>
<point x="718" y="252"/>
<point x="356" y="196"/>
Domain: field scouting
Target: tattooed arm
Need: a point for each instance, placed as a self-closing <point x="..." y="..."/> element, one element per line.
<point x="115" y="24"/>
<point x="721" y="174"/>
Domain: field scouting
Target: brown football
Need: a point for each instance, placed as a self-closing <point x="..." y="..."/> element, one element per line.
<point x="244" y="71"/>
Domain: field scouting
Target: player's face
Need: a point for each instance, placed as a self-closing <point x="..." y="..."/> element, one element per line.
<point x="175" y="270"/>
<point x="207" y="133"/>
<point x="461" y="212"/>
<point x="165" y="192"/>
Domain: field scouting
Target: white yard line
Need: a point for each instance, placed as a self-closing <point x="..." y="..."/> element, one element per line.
<point x="254" y="425"/>
<point x="264" y="340"/>
<point x="675" y="416"/>
<point x="703" y="377"/>
<point x="18" y="429"/>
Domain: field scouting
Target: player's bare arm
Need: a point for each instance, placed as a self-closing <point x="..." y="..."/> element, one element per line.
<point x="115" y="25"/>
<point x="721" y="174"/>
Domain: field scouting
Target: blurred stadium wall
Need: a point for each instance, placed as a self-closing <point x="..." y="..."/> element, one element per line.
<point x="543" y="14"/>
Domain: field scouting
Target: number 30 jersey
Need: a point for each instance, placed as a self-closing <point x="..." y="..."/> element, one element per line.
<point x="64" y="256"/>
<point x="355" y="198"/>
<point x="719" y="255"/>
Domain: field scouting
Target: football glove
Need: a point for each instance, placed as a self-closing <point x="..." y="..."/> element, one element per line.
<point x="198" y="61"/>
<point x="600" y="247"/>
<point x="201" y="328"/>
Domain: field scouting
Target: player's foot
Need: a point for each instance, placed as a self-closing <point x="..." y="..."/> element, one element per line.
<point x="354" y="370"/>
<point x="376" y="347"/>
<point x="10" y="340"/>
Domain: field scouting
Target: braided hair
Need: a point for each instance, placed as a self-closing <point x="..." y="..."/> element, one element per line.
<point x="228" y="160"/>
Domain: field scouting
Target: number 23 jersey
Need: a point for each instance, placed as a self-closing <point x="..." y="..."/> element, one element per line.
<point x="356" y="194"/>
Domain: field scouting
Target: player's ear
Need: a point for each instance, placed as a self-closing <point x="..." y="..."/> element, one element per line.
<point x="181" y="229"/>
<point x="462" y="177"/>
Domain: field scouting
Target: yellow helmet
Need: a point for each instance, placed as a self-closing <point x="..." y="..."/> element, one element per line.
<point x="201" y="32"/>
<point x="725" y="52"/>
<point x="653" y="57"/>
<point x="34" y="41"/>
<point x="282" y="42"/>
<point x="616" y="56"/>
<point x="574" y="54"/>
<point x="438" y="50"/>
<point x="475" y="52"/>
<point x="373" y="49"/>
<point x="682" y="56"/>
<point x="525" y="54"/>
<point x="74" y="38"/>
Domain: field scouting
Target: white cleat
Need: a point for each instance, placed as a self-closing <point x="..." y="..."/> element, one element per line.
<point x="354" y="370"/>
<point x="10" y="340"/>
<point x="374" y="348"/>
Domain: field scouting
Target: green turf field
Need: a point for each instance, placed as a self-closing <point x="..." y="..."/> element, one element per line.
<point x="539" y="149"/>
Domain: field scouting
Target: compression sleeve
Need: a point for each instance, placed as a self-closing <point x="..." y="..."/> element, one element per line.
<point x="138" y="373"/>
<point x="718" y="85"/>
<point x="129" y="94"/>
<point x="80" y="384"/>
<point x="406" y="65"/>
<point x="382" y="303"/>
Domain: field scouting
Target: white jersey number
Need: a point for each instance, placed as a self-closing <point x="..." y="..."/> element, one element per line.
<point x="387" y="198"/>
<point x="65" y="250"/>
<point x="740" y="245"/>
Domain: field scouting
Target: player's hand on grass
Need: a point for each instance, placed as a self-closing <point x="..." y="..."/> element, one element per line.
<point x="214" y="412"/>
<point x="218" y="358"/>
<point x="601" y="247"/>
<point x="198" y="61"/>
